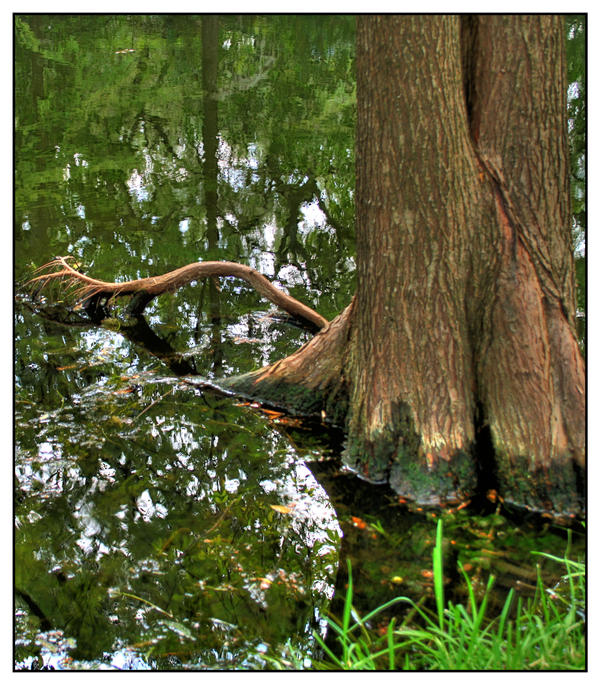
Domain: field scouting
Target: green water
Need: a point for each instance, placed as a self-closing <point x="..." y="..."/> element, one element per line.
<point x="159" y="525"/>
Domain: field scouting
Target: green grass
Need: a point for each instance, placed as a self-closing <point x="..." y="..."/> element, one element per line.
<point x="544" y="632"/>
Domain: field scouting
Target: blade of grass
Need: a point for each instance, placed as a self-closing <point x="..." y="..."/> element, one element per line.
<point x="438" y="573"/>
<point x="540" y="635"/>
<point x="385" y="606"/>
<point x="337" y="662"/>
<point x="504" y="614"/>
<point x="478" y="618"/>
<point x="390" y="645"/>
<point x="348" y="600"/>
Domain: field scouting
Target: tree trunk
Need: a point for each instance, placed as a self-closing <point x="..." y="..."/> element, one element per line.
<point x="413" y="407"/>
<point x="462" y="328"/>
<point x="532" y="379"/>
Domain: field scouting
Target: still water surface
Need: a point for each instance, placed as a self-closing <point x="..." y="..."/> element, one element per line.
<point x="158" y="525"/>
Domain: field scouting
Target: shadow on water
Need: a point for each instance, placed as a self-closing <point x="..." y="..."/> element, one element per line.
<point x="160" y="525"/>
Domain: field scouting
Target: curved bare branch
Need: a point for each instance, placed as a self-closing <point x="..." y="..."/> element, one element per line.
<point x="85" y="287"/>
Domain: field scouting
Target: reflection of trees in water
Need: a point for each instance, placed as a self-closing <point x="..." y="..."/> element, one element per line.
<point x="161" y="499"/>
<point x="210" y="133"/>
<point x="138" y="165"/>
<point x="157" y="495"/>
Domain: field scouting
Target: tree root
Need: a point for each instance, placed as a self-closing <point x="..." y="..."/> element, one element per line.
<point x="91" y="290"/>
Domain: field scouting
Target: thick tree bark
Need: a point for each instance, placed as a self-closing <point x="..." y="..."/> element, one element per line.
<point x="531" y="371"/>
<point x="476" y="323"/>
<point x="412" y="407"/>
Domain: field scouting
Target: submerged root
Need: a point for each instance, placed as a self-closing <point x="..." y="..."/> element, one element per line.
<point x="85" y="289"/>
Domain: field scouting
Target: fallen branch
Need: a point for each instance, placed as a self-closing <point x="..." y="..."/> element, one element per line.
<point x="87" y="289"/>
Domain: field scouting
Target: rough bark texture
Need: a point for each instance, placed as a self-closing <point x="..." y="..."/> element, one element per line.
<point x="531" y="370"/>
<point x="311" y="382"/>
<point x="412" y="403"/>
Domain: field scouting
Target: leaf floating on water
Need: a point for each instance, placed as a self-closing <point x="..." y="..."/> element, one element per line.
<point x="289" y="422"/>
<point x="281" y="508"/>
<point x="124" y="391"/>
<point x="178" y="628"/>
<point x="493" y="495"/>
<point x="272" y="414"/>
<point x="358" y="522"/>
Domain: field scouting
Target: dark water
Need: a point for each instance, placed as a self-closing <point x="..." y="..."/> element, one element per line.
<point x="158" y="525"/>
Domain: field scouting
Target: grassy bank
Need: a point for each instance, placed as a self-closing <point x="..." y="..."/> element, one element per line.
<point x="543" y="632"/>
